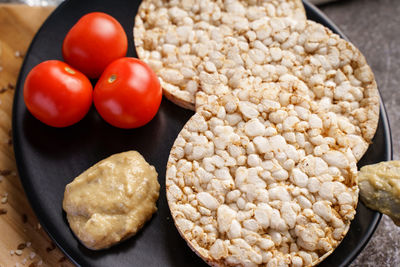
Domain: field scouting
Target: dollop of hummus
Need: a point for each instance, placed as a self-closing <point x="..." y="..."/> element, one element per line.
<point x="380" y="188"/>
<point x="111" y="200"/>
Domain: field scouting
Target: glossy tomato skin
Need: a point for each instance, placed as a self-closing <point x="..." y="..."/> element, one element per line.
<point x="128" y="93"/>
<point x="56" y="94"/>
<point x="93" y="42"/>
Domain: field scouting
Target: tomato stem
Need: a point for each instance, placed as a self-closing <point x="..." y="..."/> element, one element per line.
<point x="112" y="78"/>
<point x="69" y="70"/>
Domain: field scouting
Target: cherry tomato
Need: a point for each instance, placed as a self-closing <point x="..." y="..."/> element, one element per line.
<point x="128" y="93"/>
<point x="56" y="94"/>
<point x="93" y="42"/>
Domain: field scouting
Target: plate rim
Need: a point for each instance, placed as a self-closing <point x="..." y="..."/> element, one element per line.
<point x="31" y="198"/>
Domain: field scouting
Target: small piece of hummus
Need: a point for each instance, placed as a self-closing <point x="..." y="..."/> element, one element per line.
<point x="380" y="188"/>
<point x="111" y="200"/>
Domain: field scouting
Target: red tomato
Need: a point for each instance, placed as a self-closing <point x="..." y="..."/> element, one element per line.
<point x="56" y="94"/>
<point x="93" y="42"/>
<point x="128" y="93"/>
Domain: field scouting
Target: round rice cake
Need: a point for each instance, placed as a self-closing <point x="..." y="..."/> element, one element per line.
<point x="173" y="37"/>
<point x="256" y="179"/>
<point x="331" y="70"/>
<point x="341" y="128"/>
<point x="334" y="72"/>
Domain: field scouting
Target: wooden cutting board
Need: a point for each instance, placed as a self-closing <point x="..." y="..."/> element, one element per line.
<point x="22" y="241"/>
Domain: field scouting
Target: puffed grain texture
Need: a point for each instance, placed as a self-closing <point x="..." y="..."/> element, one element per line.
<point x="329" y="70"/>
<point x="214" y="60"/>
<point x="173" y="37"/>
<point x="256" y="180"/>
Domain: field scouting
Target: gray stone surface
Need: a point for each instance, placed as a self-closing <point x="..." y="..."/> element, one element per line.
<point x="374" y="27"/>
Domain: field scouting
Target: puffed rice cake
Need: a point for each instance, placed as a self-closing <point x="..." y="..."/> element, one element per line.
<point x="266" y="50"/>
<point x="257" y="180"/>
<point x="170" y="32"/>
<point x="332" y="72"/>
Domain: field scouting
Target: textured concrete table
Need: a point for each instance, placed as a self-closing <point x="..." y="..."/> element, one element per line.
<point x="374" y="27"/>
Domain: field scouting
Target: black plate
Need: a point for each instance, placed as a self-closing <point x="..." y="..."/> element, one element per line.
<point x="49" y="158"/>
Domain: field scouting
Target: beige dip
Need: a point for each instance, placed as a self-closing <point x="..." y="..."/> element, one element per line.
<point x="380" y="188"/>
<point x="111" y="200"/>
